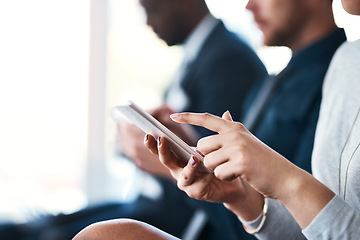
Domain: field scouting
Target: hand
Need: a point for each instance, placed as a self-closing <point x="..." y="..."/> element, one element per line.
<point x="131" y="145"/>
<point x="235" y="152"/>
<point x="193" y="178"/>
<point x="203" y="185"/>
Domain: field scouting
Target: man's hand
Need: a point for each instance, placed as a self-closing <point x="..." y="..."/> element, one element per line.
<point x="183" y="131"/>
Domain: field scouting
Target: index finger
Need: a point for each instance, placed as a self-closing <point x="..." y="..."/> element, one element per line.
<point x="205" y="120"/>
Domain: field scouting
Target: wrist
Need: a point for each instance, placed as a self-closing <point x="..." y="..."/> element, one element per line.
<point x="292" y="185"/>
<point x="256" y="225"/>
<point x="249" y="208"/>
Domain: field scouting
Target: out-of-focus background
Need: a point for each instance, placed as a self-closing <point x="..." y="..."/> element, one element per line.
<point x="63" y="66"/>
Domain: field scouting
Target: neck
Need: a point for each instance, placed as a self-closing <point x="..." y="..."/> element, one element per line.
<point x="316" y="28"/>
<point x="196" y="13"/>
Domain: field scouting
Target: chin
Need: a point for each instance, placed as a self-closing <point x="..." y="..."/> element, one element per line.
<point x="265" y="39"/>
<point x="351" y="6"/>
<point x="269" y="42"/>
<point x="269" y="38"/>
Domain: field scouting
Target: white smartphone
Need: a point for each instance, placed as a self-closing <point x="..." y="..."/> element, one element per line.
<point x="135" y="114"/>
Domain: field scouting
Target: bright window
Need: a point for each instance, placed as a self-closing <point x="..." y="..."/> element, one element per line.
<point x="43" y="103"/>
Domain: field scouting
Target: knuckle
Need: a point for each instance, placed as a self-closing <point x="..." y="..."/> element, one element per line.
<point x="235" y="136"/>
<point x="185" y="177"/>
<point x="205" y="117"/>
<point x="192" y="194"/>
<point x="242" y="164"/>
<point x="201" y="142"/>
<point x="240" y="126"/>
<point x="208" y="162"/>
<point x="180" y="185"/>
<point x="218" y="174"/>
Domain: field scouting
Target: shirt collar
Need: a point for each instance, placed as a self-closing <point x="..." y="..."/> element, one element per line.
<point x="196" y="39"/>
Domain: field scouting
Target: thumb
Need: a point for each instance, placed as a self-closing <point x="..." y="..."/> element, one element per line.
<point x="227" y="116"/>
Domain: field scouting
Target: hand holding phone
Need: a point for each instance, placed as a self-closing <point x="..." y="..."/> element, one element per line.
<point x="135" y="114"/>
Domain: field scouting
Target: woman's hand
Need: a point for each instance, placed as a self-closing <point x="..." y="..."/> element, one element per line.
<point x="201" y="184"/>
<point x="235" y="152"/>
<point x="131" y="145"/>
<point x="193" y="178"/>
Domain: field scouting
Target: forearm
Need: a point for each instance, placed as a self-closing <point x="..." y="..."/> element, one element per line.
<point x="304" y="196"/>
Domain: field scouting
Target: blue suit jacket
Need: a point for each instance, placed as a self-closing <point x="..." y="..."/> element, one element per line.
<point x="221" y="76"/>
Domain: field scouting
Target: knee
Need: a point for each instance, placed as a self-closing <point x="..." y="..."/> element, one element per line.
<point x="111" y="229"/>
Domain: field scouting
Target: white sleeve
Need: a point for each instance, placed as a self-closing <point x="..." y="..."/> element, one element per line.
<point x="279" y="224"/>
<point x="337" y="220"/>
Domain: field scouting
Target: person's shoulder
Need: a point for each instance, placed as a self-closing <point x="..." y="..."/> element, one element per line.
<point x="225" y="42"/>
<point x="223" y="35"/>
<point x="344" y="66"/>
<point x="351" y="44"/>
<point x="348" y="50"/>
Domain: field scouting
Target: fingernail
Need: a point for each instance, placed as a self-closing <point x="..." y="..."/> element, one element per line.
<point x="192" y="161"/>
<point x="146" y="137"/>
<point x="197" y="150"/>
<point x="159" y="142"/>
<point x="174" y="115"/>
